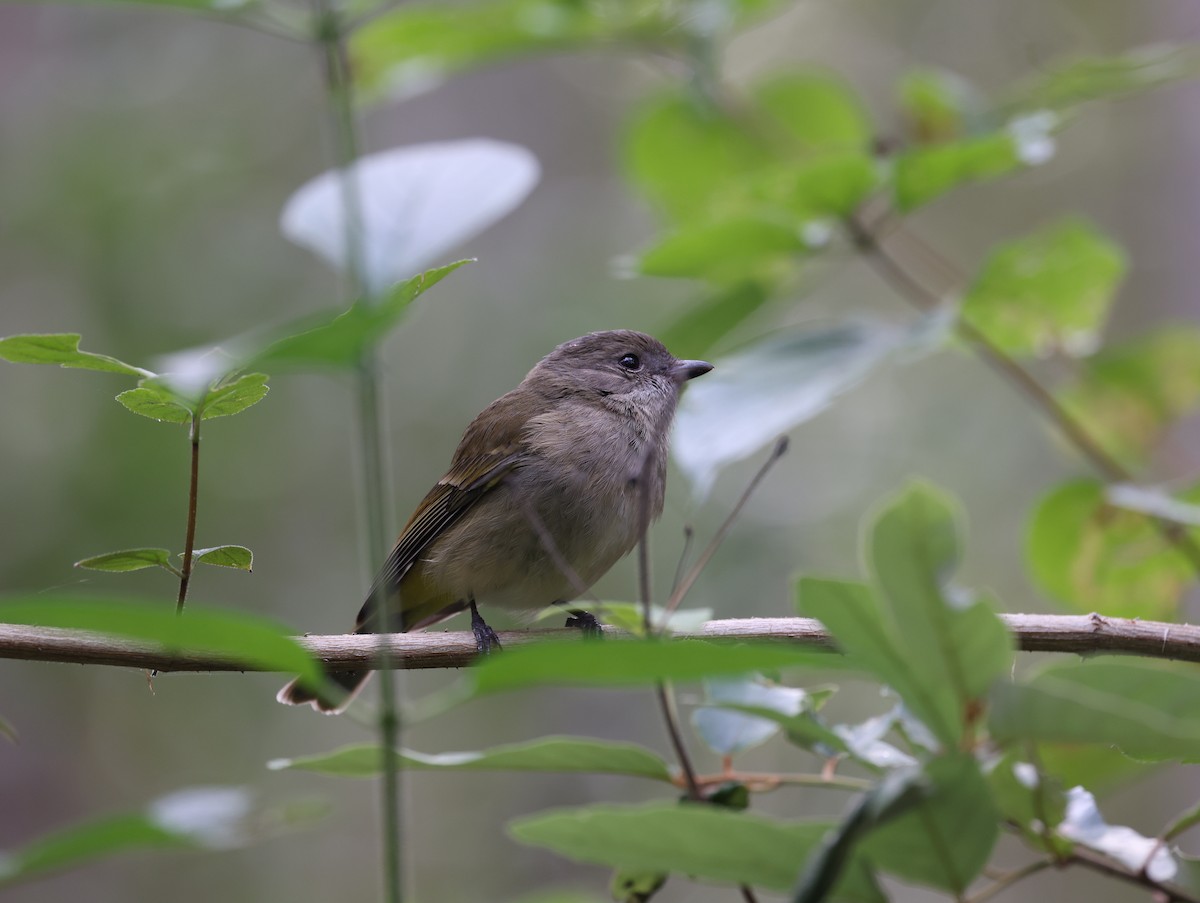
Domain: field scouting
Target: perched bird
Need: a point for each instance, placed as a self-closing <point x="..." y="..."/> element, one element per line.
<point x="545" y="493"/>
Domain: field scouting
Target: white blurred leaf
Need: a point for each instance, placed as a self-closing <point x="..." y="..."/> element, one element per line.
<point x="1083" y="824"/>
<point x="752" y="397"/>
<point x="726" y="732"/>
<point x="212" y="817"/>
<point x="865" y="741"/>
<point x="418" y="202"/>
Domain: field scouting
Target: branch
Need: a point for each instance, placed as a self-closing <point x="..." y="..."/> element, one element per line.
<point x="1080" y="634"/>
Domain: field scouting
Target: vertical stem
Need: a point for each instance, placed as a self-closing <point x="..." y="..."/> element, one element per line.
<point x="189" y="543"/>
<point x="339" y="95"/>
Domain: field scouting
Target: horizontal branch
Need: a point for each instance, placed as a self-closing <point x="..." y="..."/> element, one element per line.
<point x="1080" y="634"/>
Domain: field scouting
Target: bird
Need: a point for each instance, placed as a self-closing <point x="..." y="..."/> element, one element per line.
<point x="550" y="486"/>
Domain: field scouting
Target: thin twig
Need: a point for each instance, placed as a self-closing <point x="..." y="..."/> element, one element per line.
<point x="1008" y="879"/>
<point x="682" y="586"/>
<point x="765" y="781"/>
<point x="886" y="264"/>
<point x="189" y="543"/>
<point x="1074" y="634"/>
<point x="1097" y="863"/>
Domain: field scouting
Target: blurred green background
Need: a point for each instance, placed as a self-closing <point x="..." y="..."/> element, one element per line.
<point x="144" y="158"/>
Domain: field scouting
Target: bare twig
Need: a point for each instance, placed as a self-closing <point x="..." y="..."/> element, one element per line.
<point x="921" y="297"/>
<point x="1077" y="634"/>
<point x="189" y="543"/>
<point x="682" y="586"/>
<point x="1003" y="882"/>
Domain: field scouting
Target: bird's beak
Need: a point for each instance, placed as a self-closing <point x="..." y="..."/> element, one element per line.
<point x="682" y="371"/>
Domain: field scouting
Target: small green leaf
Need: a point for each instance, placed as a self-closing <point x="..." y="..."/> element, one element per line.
<point x="1027" y="798"/>
<point x="62" y="349"/>
<point x="1093" y="556"/>
<point x="706" y="842"/>
<point x="10" y="733"/>
<point x="128" y="560"/>
<point x="338" y="339"/>
<point x="925" y="173"/>
<point x="200" y="818"/>
<point x="818" y="109"/>
<point x="709" y="320"/>
<point x="1150" y="710"/>
<point x="914" y="548"/>
<point x="157" y="402"/>
<point x="616" y="663"/>
<point x="234" y="397"/>
<point x="1102" y="78"/>
<point x="1129" y="394"/>
<point x="946" y="838"/>
<point x="1048" y="292"/>
<point x="636" y="886"/>
<point x="226" y="557"/>
<point x="225" y="635"/>
<point x="689" y="159"/>
<point x="549" y="754"/>
<point x="829" y="185"/>
<point x="732" y="249"/>
<point x="937" y="105"/>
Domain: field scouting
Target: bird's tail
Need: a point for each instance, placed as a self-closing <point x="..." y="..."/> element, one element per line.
<point x="340" y="688"/>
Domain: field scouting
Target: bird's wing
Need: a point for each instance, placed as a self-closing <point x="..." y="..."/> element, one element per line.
<point x="489" y="450"/>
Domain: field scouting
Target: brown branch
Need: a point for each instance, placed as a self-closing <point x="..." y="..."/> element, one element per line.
<point x="1080" y="634"/>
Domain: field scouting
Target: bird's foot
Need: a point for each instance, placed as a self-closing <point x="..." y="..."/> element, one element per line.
<point x="486" y="640"/>
<point x="586" y="622"/>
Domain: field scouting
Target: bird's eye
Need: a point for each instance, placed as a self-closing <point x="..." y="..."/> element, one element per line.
<point x="630" y="362"/>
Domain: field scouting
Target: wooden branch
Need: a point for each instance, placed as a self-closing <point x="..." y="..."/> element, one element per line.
<point x="1080" y="634"/>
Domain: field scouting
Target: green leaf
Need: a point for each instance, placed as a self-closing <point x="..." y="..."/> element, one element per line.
<point x="550" y="754"/>
<point x="925" y="173"/>
<point x="9" y="732"/>
<point x="1129" y="394"/>
<point x="1092" y="556"/>
<point x="226" y="635"/>
<point x="1150" y="710"/>
<point x="421" y="43"/>
<point x="234" y="397"/>
<point x="914" y="548"/>
<point x="339" y="339"/>
<point x="156" y="401"/>
<point x="1102" y="78"/>
<point x="1027" y="798"/>
<point x="636" y="886"/>
<point x="202" y="818"/>
<point x="1100" y="768"/>
<point x="1048" y="292"/>
<point x="689" y="159"/>
<point x="733" y="249"/>
<point x="818" y="110"/>
<point x="616" y="663"/>
<point x="866" y="633"/>
<point x="128" y="560"/>
<point x="946" y="839"/>
<point x="708" y="321"/>
<point x="226" y="557"/>
<point x="897" y="793"/>
<point x="62" y="349"/>
<point x="936" y="104"/>
<point x="830" y="185"/>
<point x="705" y="842"/>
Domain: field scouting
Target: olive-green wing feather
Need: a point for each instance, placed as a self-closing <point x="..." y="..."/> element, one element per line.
<point x="489" y="450"/>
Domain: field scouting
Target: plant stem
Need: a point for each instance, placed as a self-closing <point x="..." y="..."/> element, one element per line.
<point x="189" y="543"/>
<point x="1008" y="879"/>
<point x="1072" y="430"/>
<point x="339" y="94"/>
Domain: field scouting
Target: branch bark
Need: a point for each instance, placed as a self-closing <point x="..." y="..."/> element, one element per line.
<point x="1080" y="634"/>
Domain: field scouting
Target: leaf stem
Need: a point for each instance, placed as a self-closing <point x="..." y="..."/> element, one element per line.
<point x="1008" y="879"/>
<point x="915" y="291"/>
<point x="339" y="93"/>
<point x="189" y="543"/>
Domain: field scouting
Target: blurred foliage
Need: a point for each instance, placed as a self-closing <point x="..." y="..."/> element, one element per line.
<point x="754" y="185"/>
